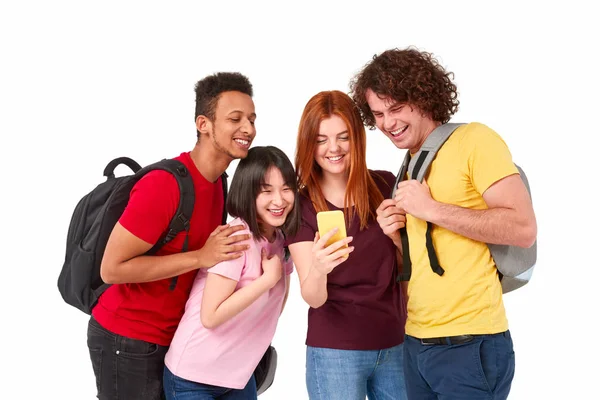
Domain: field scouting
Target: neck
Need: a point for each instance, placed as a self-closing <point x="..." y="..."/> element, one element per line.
<point x="428" y="127"/>
<point x="209" y="162"/>
<point x="334" y="188"/>
<point x="268" y="232"/>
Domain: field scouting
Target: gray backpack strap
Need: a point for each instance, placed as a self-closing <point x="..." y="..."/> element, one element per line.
<point x="417" y="169"/>
<point x="401" y="173"/>
<point x="419" y="165"/>
<point x="404" y="274"/>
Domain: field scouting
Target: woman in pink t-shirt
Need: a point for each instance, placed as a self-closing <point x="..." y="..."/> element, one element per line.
<point x="233" y="308"/>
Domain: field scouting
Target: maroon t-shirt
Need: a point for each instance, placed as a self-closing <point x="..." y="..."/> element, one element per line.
<point x="364" y="308"/>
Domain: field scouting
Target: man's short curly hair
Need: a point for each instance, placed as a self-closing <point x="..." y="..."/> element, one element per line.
<point x="407" y="76"/>
<point x="209" y="89"/>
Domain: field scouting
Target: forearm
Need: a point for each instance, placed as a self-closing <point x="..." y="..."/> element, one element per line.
<point x="151" y="268"/>
<point x="287" y="291"/>
<point x="314" y="288"/>
<point x="236" y="303"/>
<point x="495" y="225"/>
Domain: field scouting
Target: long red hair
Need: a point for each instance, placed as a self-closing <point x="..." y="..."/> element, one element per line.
<point x="361" y="190"/>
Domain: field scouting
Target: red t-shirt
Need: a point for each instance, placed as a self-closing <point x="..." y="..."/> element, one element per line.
<point x="364" y="308"/>
<point x="150" y="311"/>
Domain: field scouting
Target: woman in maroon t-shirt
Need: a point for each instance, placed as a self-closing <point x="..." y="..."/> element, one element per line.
<point x="357" y="314"/>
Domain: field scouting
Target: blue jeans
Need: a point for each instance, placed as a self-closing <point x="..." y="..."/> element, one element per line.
<point x="333" y="374"/>
<point x="480" y="369"/>
<point x="177" y="388"/>
<point x="125" y="368"/>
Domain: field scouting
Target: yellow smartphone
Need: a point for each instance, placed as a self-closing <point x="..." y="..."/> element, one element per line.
<point x="327" y="220"/>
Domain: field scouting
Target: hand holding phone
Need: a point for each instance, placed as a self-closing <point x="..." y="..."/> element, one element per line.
<point x="330" y="248"/>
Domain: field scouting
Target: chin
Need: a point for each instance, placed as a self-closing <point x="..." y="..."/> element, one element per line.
<point x="337" y="171"/>
<point x="239" y="154"/>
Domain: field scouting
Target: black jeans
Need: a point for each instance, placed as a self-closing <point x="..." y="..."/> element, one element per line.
<point x="125" y="369"/>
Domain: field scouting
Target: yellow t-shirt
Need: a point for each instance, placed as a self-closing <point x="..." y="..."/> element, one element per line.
<point x="467" y="298"/>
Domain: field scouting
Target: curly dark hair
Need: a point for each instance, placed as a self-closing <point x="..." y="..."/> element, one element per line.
<point x="408" y="76"/>
<point x="209" y="89"/>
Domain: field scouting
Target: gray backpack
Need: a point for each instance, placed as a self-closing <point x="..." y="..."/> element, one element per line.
<point x="515" y="264"/>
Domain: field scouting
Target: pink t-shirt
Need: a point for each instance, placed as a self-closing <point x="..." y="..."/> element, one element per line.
<point x="227" y="355"/>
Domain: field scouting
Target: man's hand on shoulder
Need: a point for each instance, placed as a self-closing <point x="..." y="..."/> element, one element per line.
<point x="222" y="245"/>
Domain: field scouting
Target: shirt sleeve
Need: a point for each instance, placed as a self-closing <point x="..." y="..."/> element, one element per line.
<point x="232" y="269"/>
<point x="490" y="159"/>
<point x="152" y="203"/>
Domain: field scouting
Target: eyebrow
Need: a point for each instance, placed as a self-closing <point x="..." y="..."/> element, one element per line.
<point x="388" y="107"/>
<point x="337" y="134"/>
<point x="241" y="112"/>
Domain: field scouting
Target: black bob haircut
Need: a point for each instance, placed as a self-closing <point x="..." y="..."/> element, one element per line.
<point x="246" y="185"/>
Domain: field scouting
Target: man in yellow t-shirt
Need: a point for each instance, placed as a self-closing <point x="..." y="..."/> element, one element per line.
<point x="457" y="340"/>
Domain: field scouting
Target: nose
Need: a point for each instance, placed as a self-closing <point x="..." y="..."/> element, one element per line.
<point x="277" y="198"/>
<point x="388" y="123"/>
<point x="334" y="146"/>
<point x="248" y="128"/>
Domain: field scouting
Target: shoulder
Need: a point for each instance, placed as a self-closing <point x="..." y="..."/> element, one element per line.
<point x="156" y="185"/>
<point x="158" y="179"/>
<point x="306" y="204"/>
<point x="475" y="133"/>
<point x="383" y="179"/>
<point x="238" y="221"/>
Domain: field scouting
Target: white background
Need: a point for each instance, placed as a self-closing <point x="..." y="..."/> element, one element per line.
<point x="84" y="82"/>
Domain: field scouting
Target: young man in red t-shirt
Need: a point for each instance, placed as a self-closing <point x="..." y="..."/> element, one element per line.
<point x="135" y="319"/>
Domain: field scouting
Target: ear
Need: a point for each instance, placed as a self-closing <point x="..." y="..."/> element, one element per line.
<point x="203" y="124"/>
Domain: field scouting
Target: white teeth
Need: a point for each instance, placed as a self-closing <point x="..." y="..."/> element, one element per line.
<point x="398" y="131"/>
<point x="336" y="158"/>
<point x="242" y="142"/>
<point x="276" y="212"/>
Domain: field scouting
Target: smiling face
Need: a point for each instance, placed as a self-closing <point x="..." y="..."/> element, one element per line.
<point x="232" y="130"/>
<point x="404" y="125"/>
<point x="274" y="202"/>
<point x="332" y="153"/>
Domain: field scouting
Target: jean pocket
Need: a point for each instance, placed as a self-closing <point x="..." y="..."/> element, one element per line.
<point x="137" y="349"/>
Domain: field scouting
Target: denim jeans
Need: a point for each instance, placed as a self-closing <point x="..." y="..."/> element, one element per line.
<point x="480" y="369"/>
<point x="125" y="369"/>
<point x="177" y="388"/>
<point x="333" y="374"/>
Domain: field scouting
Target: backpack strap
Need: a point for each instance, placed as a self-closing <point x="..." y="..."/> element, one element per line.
<point x="187" y="197"/>
<point x="183" y="215"/>
<point x="418" y="167"/>
<point x="406" y="264"/>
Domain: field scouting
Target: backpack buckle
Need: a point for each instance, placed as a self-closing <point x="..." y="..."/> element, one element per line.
<point x="184" y="221"/>
<point x="170" y="235"/>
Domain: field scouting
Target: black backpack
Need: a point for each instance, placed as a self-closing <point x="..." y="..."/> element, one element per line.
<point x="95" y="216"/>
